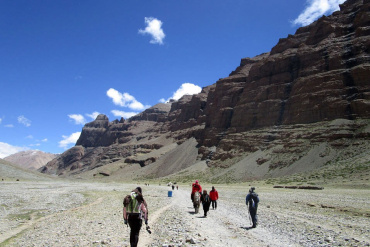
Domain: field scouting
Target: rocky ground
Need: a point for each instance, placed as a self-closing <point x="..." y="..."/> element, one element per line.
<point x="90" y="214"/>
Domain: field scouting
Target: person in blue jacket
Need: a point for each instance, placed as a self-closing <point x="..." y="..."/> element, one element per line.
<point x="252" y="201"/>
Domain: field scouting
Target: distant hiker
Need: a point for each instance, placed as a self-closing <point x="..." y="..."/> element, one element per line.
<point x="206" y="202"/>
<point x="177" y="187"/>
<point x="173" y="187"/>
<point x="134" y="211"/>
<point x="194" y="188"/>
<point x="213" y="194"/>
<point x="252" y="200"/>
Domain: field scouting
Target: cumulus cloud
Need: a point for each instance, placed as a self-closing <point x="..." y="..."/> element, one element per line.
<point x="44" y="140"/>
<point x="23" y="120"/>
<point x="315" y="9"/>
<point x="185" y="89"/>
<point x="7" y="149"/>
<point x="153" y="28"/>
<point x="67" y="140"/>
<point x="123" y="114"/>
<point x="125" y="100"/>
<point x="93" y="115"/>
<point x="77" y="118"/>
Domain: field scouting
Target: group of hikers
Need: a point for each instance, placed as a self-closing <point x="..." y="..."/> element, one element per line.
<point x="135" y="208"/>
<point x="206" y="199"/>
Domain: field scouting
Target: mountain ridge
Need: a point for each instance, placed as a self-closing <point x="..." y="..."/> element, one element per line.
<point x="30" y="159"/>
<point x="311" y="90"/>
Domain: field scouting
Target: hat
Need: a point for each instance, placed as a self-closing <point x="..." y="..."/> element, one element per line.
<point x="196" y="181"/>
<point x="252" y="189"/>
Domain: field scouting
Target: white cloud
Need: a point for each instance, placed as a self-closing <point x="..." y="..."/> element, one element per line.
<point x="67" y="140"/>
<point x="23" y="120"/>
<point x="185" y="89"/>
<point x="315" y="9"/>
<point x="9" y="125"/>
<point x="7" y="149"/>
<point x="35" y="145"/>
<point x="29" y="137"/>
<point x="154" y="28"/>
<point x="1" y="120"/>
<point x="125" y="100"/>
<point x="44" y="140"/>
<point x="123" y="114"/>
<point x="93" y="115"/>
<point x="78" y="118"/>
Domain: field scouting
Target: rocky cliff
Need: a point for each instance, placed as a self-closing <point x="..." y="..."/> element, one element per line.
<point x="285" y="103"/>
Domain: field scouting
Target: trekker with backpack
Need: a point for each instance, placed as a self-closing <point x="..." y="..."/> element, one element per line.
<point x="213" y="194"/>
<point x="206" y="202"/>
<point x="194" y="188"/>
<point x="134" y="211"/>
<point x="252" y="200"/>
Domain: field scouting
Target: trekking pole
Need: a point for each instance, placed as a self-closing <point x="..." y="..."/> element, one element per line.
<point x="250" y="217"/>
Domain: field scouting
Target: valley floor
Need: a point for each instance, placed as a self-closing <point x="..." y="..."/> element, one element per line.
<point x="90" y="214"/>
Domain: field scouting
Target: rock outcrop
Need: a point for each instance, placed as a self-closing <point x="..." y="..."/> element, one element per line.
<point x="270" y="102"/>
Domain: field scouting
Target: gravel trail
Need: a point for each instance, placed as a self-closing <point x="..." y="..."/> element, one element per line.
<point x="90" y="214"/>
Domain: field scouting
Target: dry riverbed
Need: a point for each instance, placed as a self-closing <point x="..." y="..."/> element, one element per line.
<point x="90" y="214"/>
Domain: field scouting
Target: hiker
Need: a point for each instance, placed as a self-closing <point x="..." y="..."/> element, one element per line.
<point x="195" y="187"/>
<point x="213" y="194"/>
<point x="134" y="211"/>
<point x="252" y="200"/>
<point x="206" y="202"/>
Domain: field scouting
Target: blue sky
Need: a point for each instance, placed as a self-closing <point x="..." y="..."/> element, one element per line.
<point x="62" y="62"/>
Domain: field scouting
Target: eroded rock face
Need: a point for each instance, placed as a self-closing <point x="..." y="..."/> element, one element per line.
<point x="319" y="74"/>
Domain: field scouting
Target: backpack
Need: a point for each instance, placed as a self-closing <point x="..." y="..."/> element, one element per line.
<point x="254" y="200"/>
<point x="207" y="199"/>
<point x="133" y="202"/>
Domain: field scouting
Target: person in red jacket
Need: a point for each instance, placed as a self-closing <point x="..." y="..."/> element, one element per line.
<point x="213" y="194"/>
<point x="195" y="187"/>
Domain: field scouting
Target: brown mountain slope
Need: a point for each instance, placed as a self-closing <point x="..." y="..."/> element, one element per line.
<point x="30" y="159"/>
<point x="295" y="109"/>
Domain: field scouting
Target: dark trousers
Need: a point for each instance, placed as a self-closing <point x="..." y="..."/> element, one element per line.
<point x="253" y="212"/>
<point x="206" y="208"/>
<point x="135" y="224"/>
<point x="214" y="204"/>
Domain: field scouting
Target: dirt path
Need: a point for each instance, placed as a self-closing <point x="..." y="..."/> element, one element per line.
<point x="94" y="217"/>
<point x="229" y="225"/>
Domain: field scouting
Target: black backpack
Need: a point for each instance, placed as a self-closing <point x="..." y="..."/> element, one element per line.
<point x="206" y="199"/>
<point x="254" y="200"/>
